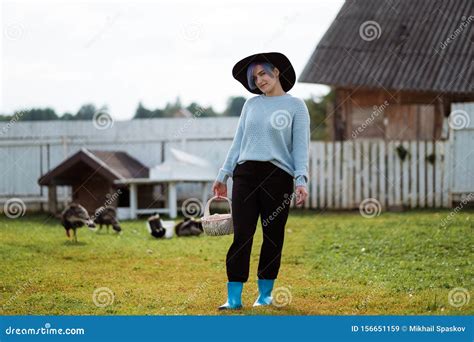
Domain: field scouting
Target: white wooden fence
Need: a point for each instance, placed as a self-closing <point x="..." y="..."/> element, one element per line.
<point x="462" y="148"/>
<point x="344" y="174"/>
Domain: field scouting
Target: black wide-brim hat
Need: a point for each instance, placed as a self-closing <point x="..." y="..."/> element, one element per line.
<point x="279" y="60"/>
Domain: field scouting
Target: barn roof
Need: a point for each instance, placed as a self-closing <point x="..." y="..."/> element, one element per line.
<point x="113" y="165"/>
<point x="422" y="45"/>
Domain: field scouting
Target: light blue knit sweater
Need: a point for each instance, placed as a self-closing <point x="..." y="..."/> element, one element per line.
<point x="275" y="129"/>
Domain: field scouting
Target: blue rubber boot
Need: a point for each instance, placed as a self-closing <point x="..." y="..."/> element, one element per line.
<point x="234" y="296"/>
<point x="265" y="287"/>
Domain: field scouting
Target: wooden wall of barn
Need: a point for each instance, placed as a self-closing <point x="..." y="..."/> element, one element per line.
<point x="392" y="115"/>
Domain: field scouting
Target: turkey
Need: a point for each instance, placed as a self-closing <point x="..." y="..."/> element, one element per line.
<point x="75" y="216"/>
<point x="189" y="227"/>
<point x="107" y="216"/>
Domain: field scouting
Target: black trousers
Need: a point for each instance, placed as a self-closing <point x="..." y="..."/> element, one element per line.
<point x="259" y="188"/>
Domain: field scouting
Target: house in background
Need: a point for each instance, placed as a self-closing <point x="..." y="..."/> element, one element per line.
<point x="396" y="67"/>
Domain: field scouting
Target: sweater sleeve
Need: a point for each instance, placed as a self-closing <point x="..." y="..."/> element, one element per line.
<point x="233" y="154"/>
<point x="300" y="143"/>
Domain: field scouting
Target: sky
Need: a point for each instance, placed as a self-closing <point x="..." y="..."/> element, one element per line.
<point x="117" y="53"/>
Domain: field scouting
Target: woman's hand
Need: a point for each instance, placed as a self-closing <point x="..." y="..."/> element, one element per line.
<point x="301" y="195"/>
<point x="219" y="189"/>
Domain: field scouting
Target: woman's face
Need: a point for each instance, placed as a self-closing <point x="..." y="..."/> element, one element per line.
<point x="263" y="81"/>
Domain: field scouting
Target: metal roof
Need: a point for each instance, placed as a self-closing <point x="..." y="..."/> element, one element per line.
<point x="422" y="45"/>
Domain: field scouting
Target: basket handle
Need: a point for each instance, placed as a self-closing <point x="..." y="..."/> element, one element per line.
<point x="206" y="209"/>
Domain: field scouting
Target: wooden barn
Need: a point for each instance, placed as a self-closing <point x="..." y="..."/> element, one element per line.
<point x="93" y="176"/>
<point x="395" y="67"/>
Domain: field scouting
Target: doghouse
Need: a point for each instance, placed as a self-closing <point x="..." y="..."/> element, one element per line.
<point x="92" y="175"/>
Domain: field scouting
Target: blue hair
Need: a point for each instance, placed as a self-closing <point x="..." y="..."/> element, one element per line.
<point x="268" y="67"/>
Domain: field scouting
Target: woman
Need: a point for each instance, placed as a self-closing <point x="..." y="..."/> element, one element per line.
<point x="268" y="157"/>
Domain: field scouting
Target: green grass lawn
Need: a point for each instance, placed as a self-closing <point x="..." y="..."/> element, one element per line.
<point x="333" y="264"/>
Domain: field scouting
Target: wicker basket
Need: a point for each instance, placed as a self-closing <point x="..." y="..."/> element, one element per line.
<point x="217" y="224"/>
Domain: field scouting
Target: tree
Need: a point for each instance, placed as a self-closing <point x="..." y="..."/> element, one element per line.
<point x="234" y="106"/>
<point x="67" y="117"/>
<point x="142" y="112"/>
<point x="145" y="113"/>
<point x="318" y="114"/>
<point x="86" y="112"/>
<point x="172" y="108"/>
<point x="34" y="114"/>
